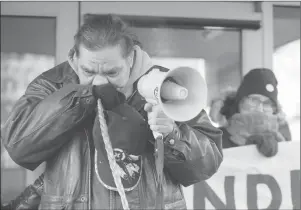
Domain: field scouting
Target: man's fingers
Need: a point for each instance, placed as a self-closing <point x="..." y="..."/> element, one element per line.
<point x="152" y="115"/>
<point x="164" y="129"/>
<point x="156" y="112"/>
<point x="148" y="107"/>
<point x="151" y="101"/>
<point x="159" y="121"/>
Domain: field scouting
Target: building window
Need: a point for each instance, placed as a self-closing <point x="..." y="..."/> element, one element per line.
<point x="286" y="63"/>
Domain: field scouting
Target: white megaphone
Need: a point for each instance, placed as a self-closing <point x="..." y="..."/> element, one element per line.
<point x="181" y="92"/>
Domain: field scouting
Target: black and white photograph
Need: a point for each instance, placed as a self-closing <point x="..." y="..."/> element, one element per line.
<point x="165" y="105"/>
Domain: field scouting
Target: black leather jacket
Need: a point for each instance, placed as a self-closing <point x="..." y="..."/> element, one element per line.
<point x="29" y="199"/>
<point x="52" y="123"/>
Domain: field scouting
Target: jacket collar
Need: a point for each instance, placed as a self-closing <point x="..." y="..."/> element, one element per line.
<point x="62" y="73"/>
<point x="142" y="64"/>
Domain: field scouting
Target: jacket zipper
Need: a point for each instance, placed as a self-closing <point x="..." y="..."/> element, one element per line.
<point x="153" y="166"/>
<point x="89" y="173"/>
<point x="113" y="199"/>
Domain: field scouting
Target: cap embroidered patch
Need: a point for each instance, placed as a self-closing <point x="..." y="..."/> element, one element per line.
<point x="269" y="87"/>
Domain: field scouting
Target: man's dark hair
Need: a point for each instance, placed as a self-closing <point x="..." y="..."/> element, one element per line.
<point x="99" y="31"/>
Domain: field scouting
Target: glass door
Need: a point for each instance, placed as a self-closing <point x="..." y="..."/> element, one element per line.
<point x="34" y="38"/>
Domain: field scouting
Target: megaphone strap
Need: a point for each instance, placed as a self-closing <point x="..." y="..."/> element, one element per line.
<point x="161" y="68"/>
<point x="159" y="162"/>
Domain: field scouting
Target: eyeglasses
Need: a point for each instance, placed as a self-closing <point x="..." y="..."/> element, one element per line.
<point x="254" y="103"/>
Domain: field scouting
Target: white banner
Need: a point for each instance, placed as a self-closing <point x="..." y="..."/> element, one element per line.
<point x="248" y="180"/>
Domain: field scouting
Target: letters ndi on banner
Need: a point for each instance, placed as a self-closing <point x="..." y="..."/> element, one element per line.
<point x="247" y="180"/>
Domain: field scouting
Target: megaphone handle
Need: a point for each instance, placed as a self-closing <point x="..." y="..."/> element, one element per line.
<point x="157" y="135"/>
<point x="159" y="162"/>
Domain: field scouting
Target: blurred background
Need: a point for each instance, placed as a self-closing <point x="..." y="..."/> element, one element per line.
<point x="223" y="40"/>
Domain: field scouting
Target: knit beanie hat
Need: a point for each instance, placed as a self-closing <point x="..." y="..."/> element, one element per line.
<point x="260" y="81"/>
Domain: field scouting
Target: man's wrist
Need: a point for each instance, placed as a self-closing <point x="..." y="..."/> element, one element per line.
<point x="174" y="135"/>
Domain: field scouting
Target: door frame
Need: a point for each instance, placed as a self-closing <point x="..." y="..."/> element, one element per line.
<point x="67" y="21"/>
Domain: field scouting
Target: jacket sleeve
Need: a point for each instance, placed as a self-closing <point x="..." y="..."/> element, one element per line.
<point x="42" y="119"/>
<point x="285" y="131"/>
<point x="193" y="151"/>
<point x="29" y="199"/>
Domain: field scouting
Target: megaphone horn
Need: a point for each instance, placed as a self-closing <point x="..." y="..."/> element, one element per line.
<point x="188" y="79"/>
<point x="181" y="92"/>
